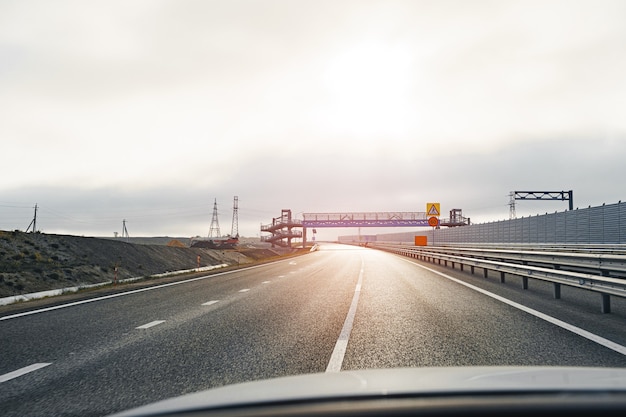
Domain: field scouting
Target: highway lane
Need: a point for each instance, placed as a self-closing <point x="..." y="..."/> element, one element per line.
<point x="267" y="321"/>
<point x="424" y="320"/>
<point x="576" y="306"/>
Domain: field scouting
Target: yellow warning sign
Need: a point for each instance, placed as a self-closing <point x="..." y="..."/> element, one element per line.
<point x="432" y="209"/>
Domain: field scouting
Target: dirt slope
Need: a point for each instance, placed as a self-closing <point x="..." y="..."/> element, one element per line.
<point x="38" y="262"/>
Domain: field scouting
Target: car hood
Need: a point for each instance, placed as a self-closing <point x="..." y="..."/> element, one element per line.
<point x="379" y="383"/>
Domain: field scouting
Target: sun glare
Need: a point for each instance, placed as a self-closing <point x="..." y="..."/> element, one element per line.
<point x="370" y="87"/>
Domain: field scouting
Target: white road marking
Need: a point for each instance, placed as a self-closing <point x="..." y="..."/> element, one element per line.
<point x="140" y="290"/>
<point x="151" y="324"/>
<point x="23" y="371"/>
<point x="245" y="290"/>
<point x="208" y="303"/>
<point x="577" y="330"/>
<point x="266" y="282"/>
<point x="336" y="359"/>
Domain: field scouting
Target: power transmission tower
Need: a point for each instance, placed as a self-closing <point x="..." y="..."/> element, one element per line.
<point x="512" y="214"/>
<point x="33" y="222"/>
<point x="125" y="234"/>
<point x="214" y="230"/>
<point x="234" y="230"/>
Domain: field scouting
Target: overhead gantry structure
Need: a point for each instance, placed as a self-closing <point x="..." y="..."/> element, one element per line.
<point x="375" y="219"/>
<point x="539" y="195"/>
<point x="282" y="228"/>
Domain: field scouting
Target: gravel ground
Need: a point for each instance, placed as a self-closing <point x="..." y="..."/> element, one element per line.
<point x="39" y="262"/>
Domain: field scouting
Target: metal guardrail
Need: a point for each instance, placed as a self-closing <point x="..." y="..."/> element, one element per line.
<point x="598" y="248"/>
<point x="599" y="272"/>
<point x="590" y="261"/>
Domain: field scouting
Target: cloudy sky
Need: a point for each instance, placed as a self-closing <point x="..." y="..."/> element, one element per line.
<point x="150" y="111"/>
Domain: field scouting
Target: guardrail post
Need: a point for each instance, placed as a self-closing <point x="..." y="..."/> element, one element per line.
<point x="485" y="272"/>
<point x="606" y="303"/>
<point x="557" y="290"/>
<point x="524" y="283"/>
<point x="502" y="277"/>
<point x="472" y="269"/>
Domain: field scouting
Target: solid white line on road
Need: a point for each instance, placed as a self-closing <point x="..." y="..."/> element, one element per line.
<point x="151" y="324"/>
<point x="577" y="330"/>
<point x="208" y="303"/>
<point x="336" y="359"/>
<point x="245" y="290"/>
<point x="23" y="371"/>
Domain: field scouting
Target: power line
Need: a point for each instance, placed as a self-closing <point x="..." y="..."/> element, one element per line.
<point x="12" y="206"/>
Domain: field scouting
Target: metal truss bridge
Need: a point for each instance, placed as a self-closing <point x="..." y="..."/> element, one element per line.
<point x="285" y="228"/>
<point x="380" y="219"/>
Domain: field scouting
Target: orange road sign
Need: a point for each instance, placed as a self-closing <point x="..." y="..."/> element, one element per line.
<point x="433" y="221"/>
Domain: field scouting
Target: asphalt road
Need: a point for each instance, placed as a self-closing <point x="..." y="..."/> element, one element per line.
<point x="339" y="308"/>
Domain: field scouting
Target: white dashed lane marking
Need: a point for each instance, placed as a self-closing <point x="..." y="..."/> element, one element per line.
<point x="22" y="371"/>
<point x="208" y="303"/>
<point x="151" y="324"/>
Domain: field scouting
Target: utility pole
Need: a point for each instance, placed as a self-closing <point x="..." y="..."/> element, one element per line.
<point x="33" y="222"/>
